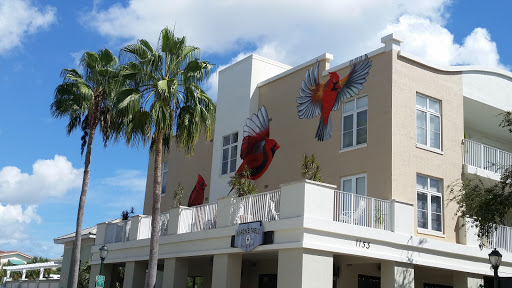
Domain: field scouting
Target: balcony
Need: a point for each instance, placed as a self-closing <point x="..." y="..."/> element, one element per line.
<point x="501" y="239"/>
<point x="362" y="211"/>
<point x="122" y="230"/>
<point x="300" y="199"/>
<point x="484" y="160"/>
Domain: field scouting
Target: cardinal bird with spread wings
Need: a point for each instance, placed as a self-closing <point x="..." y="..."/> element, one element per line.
<point x="257" y="148"/>
<point x="321" y="98"/>
<point x="197" y="195"/>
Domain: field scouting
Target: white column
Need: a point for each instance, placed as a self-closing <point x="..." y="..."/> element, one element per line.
<point x="466" y="280"/>
<point x="41" y="271"/>
<point x="95" y="270"/>
<point x="397" y="274"/>
<point x="175" y="273"/>
<point x="23" y="275"/>
<point x="8" y="274"/>
<point x="300" y="267"/>
<point x="224" y="211"/>
<point x="173" y="225"/>
<point x="101" y="231"/>
<point x="227" y="270"/>
<point x="403" y="217"/>
<point x="134" y="274"/>
<point x="307" y="198"/>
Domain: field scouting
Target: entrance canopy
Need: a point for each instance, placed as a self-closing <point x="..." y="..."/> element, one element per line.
<point x="34" y="266"/>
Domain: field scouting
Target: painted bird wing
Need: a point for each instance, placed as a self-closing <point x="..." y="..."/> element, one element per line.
<point x="256" y="130"/>
<point x="308" y="103"/>
<point x="353" y="82"/>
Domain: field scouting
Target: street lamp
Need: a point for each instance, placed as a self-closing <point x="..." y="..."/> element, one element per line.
<point x="495" y="259"/>
<point x="104" y="253"/>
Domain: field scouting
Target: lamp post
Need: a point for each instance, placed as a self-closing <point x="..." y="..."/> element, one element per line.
<point x="495" y="259"/>
<point x="103" y="255"/>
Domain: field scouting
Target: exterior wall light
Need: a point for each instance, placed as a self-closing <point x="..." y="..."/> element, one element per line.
<point x="103" y="255"/>
<point x="495" y="260"/>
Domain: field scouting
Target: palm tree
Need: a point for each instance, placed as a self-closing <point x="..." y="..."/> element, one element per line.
<point x="164" y="98"/>
<point x="87" y="101"/>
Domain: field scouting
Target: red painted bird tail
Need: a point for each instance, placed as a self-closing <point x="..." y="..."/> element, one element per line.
<point x="324" y="132"/>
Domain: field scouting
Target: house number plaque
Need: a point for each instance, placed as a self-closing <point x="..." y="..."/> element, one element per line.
<point x="362" y="244"/>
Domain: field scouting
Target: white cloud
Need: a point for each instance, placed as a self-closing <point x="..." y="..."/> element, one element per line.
<point x="295" y="31"/>
<point x="15" y="221"/>
<point x="20" y="18"/>
<point x="287" y="31"/>
<point x="431" y="41"/>
<point x="132" y="180"/>
<point x="53" y="177"/>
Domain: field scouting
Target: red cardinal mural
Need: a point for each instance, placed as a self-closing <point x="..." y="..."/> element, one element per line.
<point x="321" y="98"/>
<point x="197" y="195"/>
<point x="257" y="148"/>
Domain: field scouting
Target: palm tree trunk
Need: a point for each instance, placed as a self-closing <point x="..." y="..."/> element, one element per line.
<point x="75" y="258"/>
<point x="155" y="213"/>
<point x="94" y="116"/>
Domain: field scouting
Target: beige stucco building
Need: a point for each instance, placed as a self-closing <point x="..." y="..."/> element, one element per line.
<point x="382" y="216"/>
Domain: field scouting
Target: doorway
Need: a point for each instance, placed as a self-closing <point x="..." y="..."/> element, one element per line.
<point x="267" y="281"/>
<point x="365" y="281"/>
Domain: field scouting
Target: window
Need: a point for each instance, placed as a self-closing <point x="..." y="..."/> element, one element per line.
<point x="428" y="122"/>
<point x="430" y="202"/>
<point x="164" y="177"/>
<point x="194" y="282"/>
<point x="229" y="153"/>
<point x="354" y="184"/>
<point x="355" y="122"/>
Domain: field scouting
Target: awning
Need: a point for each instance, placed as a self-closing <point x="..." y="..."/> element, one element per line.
<point x="16" y="262"/>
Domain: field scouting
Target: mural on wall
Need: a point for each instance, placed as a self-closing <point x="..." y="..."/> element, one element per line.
<point x="197" y="195"/>
<point x="321" y="98"/>
<point x="257" y="148"/>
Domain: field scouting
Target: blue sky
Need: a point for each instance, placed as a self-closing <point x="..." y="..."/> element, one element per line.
<point x="40" y="166"/>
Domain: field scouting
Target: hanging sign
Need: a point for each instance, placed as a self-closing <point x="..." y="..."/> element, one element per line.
<point x="249" y="236"/>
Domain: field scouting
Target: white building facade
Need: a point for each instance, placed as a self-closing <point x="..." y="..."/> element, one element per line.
<point x="384" y="218"/>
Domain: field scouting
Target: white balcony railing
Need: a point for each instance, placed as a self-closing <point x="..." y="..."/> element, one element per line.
<point x="501" y="239"/>
<point x="162" y="227"/>
<point x="257" y="207"/>
<point x="362" y="211"/>
<point x="117" y="231"/>
<point x="198" y="218"/>
<point x="486" y="157"/>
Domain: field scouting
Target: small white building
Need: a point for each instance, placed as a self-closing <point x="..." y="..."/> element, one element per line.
<point x="14" y="258"/>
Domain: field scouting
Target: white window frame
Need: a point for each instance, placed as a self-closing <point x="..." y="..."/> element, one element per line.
<point x="354" y="123"/>
<point x="230" y="157"/>
<point x="429" y="204"/>
<point x="354" y="182"/>
<point x="428" y="113"/>
<point x="164" y="172"/>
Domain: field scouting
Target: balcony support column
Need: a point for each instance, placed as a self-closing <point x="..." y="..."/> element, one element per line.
<point x="299" y="267"/>
<point x="134" y="274"/>
<point x="397" y="274"/>
<point x="227" y="270"/>
<point x="175" y="273"/>
<point x="95" y="271"/>
<point x="467" y="280"/>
